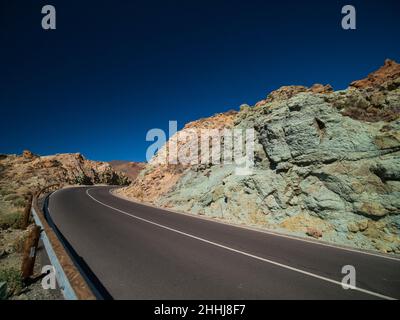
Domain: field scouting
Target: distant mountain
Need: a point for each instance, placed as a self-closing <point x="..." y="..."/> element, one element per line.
<point x="130" y="169"/>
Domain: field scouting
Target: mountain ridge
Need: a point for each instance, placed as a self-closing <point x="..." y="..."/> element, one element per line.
<point x="130" y="168"/>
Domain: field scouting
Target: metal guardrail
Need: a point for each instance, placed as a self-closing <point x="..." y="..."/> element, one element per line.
<point x="72" y="283"/>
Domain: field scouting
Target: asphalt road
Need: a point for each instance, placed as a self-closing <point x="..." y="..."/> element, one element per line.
<point x="140" y="252"/>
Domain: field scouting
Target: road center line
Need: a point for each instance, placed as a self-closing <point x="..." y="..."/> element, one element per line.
<point x="241" y="252"/>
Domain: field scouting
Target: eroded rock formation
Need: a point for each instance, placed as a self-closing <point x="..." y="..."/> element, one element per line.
<point x="327" y="166"/>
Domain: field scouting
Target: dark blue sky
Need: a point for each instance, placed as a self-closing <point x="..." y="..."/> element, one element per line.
<point x="115" y="69"/>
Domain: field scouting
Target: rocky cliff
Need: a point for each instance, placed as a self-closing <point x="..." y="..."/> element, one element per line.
<point x="327" y="165"/>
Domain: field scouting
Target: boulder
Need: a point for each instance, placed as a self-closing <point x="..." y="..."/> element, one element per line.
<point x="28" y="155"/>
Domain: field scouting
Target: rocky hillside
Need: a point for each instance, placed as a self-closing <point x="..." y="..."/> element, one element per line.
<point x="27" y="173"/>
<point x="327" y="166"/>
<point x="22" y="173"/>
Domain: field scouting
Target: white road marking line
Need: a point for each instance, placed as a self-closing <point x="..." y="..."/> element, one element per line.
<point x="240" y="252"/>
<point x="261" y="231"/>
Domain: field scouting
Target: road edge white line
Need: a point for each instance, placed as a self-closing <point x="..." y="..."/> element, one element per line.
<point x="273" y="233"/>
<point x="240" y="252"/>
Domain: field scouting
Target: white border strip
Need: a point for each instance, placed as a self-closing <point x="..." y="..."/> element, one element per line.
<point x="257" y="229"/>
<point x="242" y="252"/>
<point x="65" y="286"/>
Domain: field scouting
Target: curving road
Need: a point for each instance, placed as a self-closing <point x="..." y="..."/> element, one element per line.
<point x="140" y="252"/>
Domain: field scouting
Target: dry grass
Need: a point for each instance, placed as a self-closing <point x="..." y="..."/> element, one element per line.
<point x="12" y="277"/>
<point x="12" y="219"/>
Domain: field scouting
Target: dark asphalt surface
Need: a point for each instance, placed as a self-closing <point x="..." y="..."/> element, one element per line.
<point x="137" y="259"/>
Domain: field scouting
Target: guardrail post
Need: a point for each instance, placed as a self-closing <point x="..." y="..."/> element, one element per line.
<point x="27" y="212"/>
<point x="72" y="282"/>
<point x="30" y="249"/>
